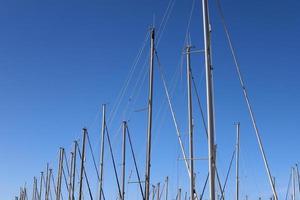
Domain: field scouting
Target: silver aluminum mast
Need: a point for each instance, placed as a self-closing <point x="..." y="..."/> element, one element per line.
<point x="209" y="101"/>
<point x="59" y="175"/>
<point x="149" y="128"/>
<point x="71" y="176"/>
<point x="294" y="184"/>
<point x="123" y="159"/>
<point x="73" y="171"/>
<point x="82" y="164"/>
<point x="47" y="183"/>
<point x="237" y="151"/>
<point x="190" y="121"/>
<point x="41" y="185"/>
<point x="100" y="192"/>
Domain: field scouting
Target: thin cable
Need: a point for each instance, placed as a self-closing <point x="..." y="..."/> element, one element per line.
<point x="93" y="157"/>
<point x="247" y="99"/>
<point x="203" y="190"/>
<point x="113" y="160"/>
<point x="85" y="175"/>
<point x="135" y="164"/>
<point x="173" y="114"/>
<point x="227" y="175"/>
<point x="288" y="188"/>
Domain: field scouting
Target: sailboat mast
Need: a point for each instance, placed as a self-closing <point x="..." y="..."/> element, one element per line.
<point x="190" y="121"/>
<point x="294" y="184"/>
<point x="209" y="101"/>
<point x="59" y="175"/>
<point x="73" y="171"/>
<point x="102" y="151"/>
<point x="237" y="151"/>
<point x="149" y="128"/>
<point x="82" y="164"/>
<point x="41" y="185"/>
<point x="123" y="159"/>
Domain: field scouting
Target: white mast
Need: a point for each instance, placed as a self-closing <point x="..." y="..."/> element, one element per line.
<point x="209" y="101"/>
<point x="100" y="192"/>
<point x="237" y="151"/>
<point x="190" y="121"/>
<point x="149" y="129"/>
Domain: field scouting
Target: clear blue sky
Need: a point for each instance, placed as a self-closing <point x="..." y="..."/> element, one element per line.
<point x="60" y="60"/>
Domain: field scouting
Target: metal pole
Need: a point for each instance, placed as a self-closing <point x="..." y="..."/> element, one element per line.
<point x="297" y="175"/>
<point x="209" y="100"/>
<point x="190" y="121"/>
<point x="41" y="186"/>
<point x="82" y="164"/>
<point x="237" y="149"/>
<point x="149" y="128"/>
<point x="158" y="191"/>
<point x="167" y="187"/>
<point x="179" y="194"/>
<point x="294" y="184"/>
<point x="74" y="171"/>
<point x="59" y="175"/>
<point x="47" y="182"/>
<point x="34" y="189"/>
<point x="123" y="159"/>
<point x="70" y="176"/>
<point x="100" y="192"/>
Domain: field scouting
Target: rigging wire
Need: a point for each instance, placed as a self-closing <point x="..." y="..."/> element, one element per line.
<point x="245" y="92"/>
<point x="205" y="183"/>
<point x="173" y="113"/>
<point x="288" y="188"/>
<point x="93" y="157"/>
<point x="135" y="163"/>
<point x="113" y="160"/>
<point x="85" y="175"/>
<point x="227" y="175"/>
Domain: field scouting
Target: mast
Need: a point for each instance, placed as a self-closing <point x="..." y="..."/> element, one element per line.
<point x="71" y="176"/>
<point x="179" y="194"/>
<point x="47" y="182"/>
<point x="237" y="150"/>
<point x="41" y="185"/>
<point x="294" y="184"/>
<point x="167" y="187"/>
<point x="209" y="101"/>
<point x="73" y="170"/>
<point x="297" y="175"/>
<point x="100" y="192"/>
<point x="59" y="175"/>
<point x="123" y="160"/>
<point x="149" y="128"/>
<point x="82" y="164"/>
<point x="190" y="121"/>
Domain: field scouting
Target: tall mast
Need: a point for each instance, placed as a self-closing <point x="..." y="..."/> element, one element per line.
<point x="73" y="171"/>
<point x="167" y="187"/>
<point x="149" y="129"/>
<point x="123" y="159"/>
<point x="237" y="151"/>
<point x="190" y="121"/>
<point x="100" y="192"/>
<point x="82" y="164"/>
<point x="294" y="184"/>
<point x="47" y="182"/>
<point x="71" y="175"/>
<point x="209" y="101"/>
<point x="41" y="185"/>
<point x="297" y="175"/>
<point x="59" y="175"/>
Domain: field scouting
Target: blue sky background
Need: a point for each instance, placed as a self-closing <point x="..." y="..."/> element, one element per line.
<point x="60" y="60"/>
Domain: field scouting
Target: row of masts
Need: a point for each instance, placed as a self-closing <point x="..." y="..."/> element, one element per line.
<point x="146" y="191"/>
